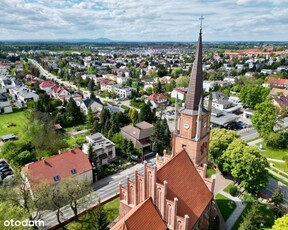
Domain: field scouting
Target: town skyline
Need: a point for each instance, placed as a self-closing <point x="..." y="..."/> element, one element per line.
<point x="131" y="21"/>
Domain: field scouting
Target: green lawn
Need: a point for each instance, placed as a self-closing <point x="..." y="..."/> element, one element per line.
<point x="273" y="153"/>
<point x="210" y="171"/>
<point x="225" y="205"/>
<point x="18" y="118"/>
<point x="279" y="165"/>
<point x="227" y="189"/>
<point x="112" y="209"/>
<point x="266" y="212"/>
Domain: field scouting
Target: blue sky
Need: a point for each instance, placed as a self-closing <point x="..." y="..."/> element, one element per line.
<point x="145" y="20"/>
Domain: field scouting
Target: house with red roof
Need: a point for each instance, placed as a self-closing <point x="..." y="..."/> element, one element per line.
<point x="157" y="99"/>
<point x="69" y="164"/>
<point x="278" y="82"/>
<point x="47" y="86"/>
<point x="60" y="93"/>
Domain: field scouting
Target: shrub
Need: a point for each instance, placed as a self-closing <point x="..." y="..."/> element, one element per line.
<point x="233" y="191"/>
<point x="276" y="140"/>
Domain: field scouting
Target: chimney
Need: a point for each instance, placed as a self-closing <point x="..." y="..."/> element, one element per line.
<point x="59" y="151"/>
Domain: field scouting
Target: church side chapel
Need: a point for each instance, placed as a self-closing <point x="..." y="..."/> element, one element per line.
<point x="175" y="193"/>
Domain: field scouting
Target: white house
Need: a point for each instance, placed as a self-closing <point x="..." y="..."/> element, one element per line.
<point x="5" y="106"/>
<point x="181" y="92"/>
<point x="96" y="106"/>
<point x="103" y="148"/>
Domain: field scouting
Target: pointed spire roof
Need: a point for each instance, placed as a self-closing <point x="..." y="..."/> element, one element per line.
<point x="195" y="88"/>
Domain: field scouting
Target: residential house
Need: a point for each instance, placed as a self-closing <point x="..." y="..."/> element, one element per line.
<point x="278" y="92"/>
<point x="281" y="102"/>
<point x="5" y="106"/>
<point x="23" y="94"/>
<point x="6" y="82"/>
<point x="278" y="82"/>
<point x="157" y="99"/>
<point x="47" y="86"/>
<point x="95" y="105"/>
<point x="103" y="148"/>
<point x="60" y="93"/>
<point x="69" y="164"/>
<point x="139" y="134"/>
<point x="181" y="92"/>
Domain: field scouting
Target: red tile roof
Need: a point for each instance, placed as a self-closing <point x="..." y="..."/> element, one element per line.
<point x="47" y="84"/>
<point x="278" y="81"/>
<point x="157" y="97"/>
<point x="185" y="183"/>
<point x="58" y="165"/>
<point x="144" y="216"/>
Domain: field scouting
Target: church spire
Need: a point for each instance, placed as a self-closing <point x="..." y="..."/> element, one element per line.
<point x="195" y="88"/>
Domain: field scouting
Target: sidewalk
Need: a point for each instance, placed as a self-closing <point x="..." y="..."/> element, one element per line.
<point x="255" y="142"/>
<point x="236" y="213"/>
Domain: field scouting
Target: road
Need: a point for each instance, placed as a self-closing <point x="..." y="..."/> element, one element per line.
<point x="104" y="189"/>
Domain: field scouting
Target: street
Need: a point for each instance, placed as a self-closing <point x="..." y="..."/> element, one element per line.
<point x="104" y="189"/>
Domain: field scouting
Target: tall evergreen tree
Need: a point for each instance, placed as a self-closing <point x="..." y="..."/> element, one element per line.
<point x="146" y="114"/>
<point x="91" y="85"/>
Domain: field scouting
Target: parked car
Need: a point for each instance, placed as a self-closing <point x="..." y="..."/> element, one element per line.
<point x="134" y="157"/>
<point x="4" y="168"/>
<point x="4" y="175"/>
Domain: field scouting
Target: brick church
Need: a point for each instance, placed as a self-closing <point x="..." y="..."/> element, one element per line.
<point x="175" y="193"/>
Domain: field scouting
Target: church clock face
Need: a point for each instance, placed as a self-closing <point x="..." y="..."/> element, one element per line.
<point x="186" y="126"/>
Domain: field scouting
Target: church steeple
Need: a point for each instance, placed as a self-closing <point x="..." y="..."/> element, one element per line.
<point x="195" y="88"/>
<point x="193" y="123"/>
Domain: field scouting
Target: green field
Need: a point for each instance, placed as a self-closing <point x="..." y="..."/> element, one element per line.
<point x="225" y="205"/>
<point x="266" y="213"/>
<point x="12" y="123"/>
<point x="273" y="153"/>
<point x="112" y="209"/>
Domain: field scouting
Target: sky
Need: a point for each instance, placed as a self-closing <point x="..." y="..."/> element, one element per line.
<point x="145" y="20"/>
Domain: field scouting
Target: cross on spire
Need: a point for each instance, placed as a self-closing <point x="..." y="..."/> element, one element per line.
<point x="201" y="21"/>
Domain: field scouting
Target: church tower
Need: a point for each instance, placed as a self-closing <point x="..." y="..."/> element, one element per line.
<point x="192" y="122"/>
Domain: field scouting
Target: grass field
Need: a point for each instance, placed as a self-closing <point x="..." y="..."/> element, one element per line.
<point x="112" y="209"/>
<point x="210" y="171"/>
<point x="273" y="153"/>
<point x="279" y="165"/>
<point x="225" y="205"/>
<point x="266" y="213"/>
<point x="18" y="118"/>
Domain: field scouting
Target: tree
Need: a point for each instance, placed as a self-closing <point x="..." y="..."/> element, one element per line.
<point x="264" y="118"/>
<point x="90" y="117"/>
<point x="253" y="219"/>
<point x="170" y="86"/>
<point x="74" y="113"/>
<point x="276" y="140"/>
<point x="161" y="136"/>
<point x="232" y="155"/>
<point x="91" y="85"/>
<point x="176" y="72"/>
<point x="251" y="95"/>
<point x="281" y="223"/>
<point x="130" y="149"/>
<point x="146" y="114"/>
<point x="182" y="81"/>
<point x="92" y="96"/>
<point x="277" y="197"/>
<point x="219" y="142"/>
<point x="251" y="170"/>
<point x="133" y="114"/>
<point x="10" y="211"/>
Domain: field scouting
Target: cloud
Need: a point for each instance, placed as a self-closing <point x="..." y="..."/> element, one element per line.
<point x="144" y="20"/>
